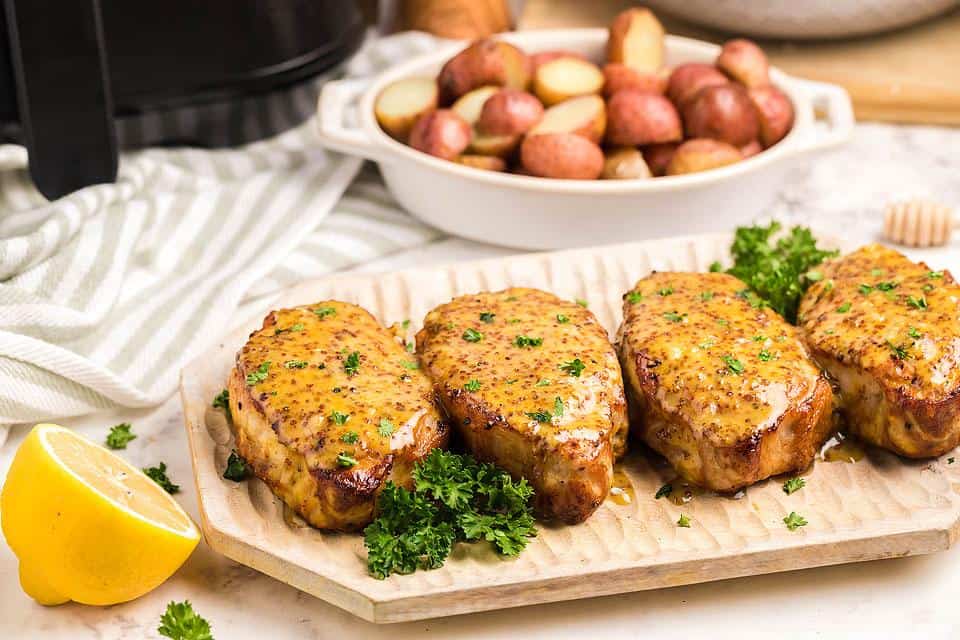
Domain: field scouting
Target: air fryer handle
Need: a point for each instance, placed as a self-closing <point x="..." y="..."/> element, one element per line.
<point x="63" y="92"/>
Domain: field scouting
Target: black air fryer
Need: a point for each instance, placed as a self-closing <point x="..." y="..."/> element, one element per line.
<point x="81" y="78"/>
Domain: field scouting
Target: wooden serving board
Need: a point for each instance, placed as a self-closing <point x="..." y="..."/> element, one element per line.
<point x="879" y="507"/>
<point x="907" y="75"/>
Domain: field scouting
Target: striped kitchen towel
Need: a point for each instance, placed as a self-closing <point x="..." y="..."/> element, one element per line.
<point x="106" y="293"/>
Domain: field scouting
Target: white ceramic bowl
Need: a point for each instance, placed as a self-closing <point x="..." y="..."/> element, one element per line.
<point x="539" y="213"/>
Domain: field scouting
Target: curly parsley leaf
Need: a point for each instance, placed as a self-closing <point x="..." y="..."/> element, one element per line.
<point x="159" y="475"/>
<point x="181" y="622"/>
<point x="351" y="364"/>
<point x="573" y="367"/>
<point x="237" y="468"/>
<point x="794" y="521"/>
<point x="455" y="499"/>
<point x="120" y="435"/>
<point x="793" y="484"/>
<point x="778" y="272"/>
<point x="258" y="376"/>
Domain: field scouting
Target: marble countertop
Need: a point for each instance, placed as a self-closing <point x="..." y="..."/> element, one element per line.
<point x="843" y="192"/>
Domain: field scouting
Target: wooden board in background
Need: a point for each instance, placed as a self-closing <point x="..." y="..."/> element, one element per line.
<point x="910" y="75"/>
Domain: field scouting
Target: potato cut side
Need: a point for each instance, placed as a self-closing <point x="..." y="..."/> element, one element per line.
<point x="565" y="78"/>
<point x="470" y="105"/>
<point x="400" y="104"/>
<point x="625" y="163"/>
<point x="498" y="146"/>
<point x="585" y="116"/>
<point x="636" y="40"/>
<point x="487" y="163"/>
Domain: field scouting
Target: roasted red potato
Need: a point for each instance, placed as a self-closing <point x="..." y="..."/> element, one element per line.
<point x="688" y="79"/>
<point x="745" y="62"/>
<point x="657" y="156"/>
<point x="636" y="40"/>
<point x="561" y="155"/>
<point x="585" y="116"/>
<point x="509" y="112"/>
<point x="401" y="103"/>
<point x="723" y="112"/>
<point x="751" y="149"/>
<point x="775" y="113"/>
<point x="485" y="62"/>
<point x="441" y="133"/>
<point x="617" y="77"/>
<point x="487" y="163"/>
<point x="637" y="118"/>
<point x="701" y="154"/>
<point x="624" y="163"/>
<point x="566" y="78"/>
<point x="544" y="57"/>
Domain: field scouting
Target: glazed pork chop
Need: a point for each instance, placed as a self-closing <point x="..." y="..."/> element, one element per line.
<point x="723" y="389"/>
<point x="888" y="330"/>
<point x="534" y="385"/>
<point x="328" y="406"/>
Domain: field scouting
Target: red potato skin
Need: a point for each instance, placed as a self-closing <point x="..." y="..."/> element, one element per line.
<point x="658" y="156"/>
<point x="509" y="112"/>
<point x="751" y="149"/>
<point x="617" y="77"/>
<point x="701" y="154"/>
<point x="544" y="57"/>
<point x="688" y="79"/>
<point x="441" y="133"/>
<point x="481" y="63"/>
<point x="775" y="113"/>
<point x="723" y="112"/>
<point x="636" y="118"/>
<point x="745" y="62"/>
<point x="561" y="155"/>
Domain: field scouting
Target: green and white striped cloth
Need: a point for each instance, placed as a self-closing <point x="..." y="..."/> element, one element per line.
<point x="106" y="293"/>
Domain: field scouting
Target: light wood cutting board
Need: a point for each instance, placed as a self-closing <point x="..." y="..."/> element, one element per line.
<point x="910" y="75"/>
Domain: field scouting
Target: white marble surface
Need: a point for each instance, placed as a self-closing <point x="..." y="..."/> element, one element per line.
<point x="909" y="597"/>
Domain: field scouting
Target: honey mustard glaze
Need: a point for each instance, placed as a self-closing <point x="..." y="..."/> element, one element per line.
<point x="843" y="449"/>
<point x="622" y="491"/>
<point x="336" y="386"/>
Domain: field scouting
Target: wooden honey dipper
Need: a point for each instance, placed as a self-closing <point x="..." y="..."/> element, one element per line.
<point x="918" y="223"/>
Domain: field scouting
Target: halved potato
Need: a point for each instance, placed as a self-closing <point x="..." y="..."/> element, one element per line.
<point x="701" y="154"/>
<point x="617" y="77"/>
<point x="470" y="105"/>
<point x="487" y="163"/>
<point x="657" y="156"/>
<point x="400" y="104"/>
<point x="625" y="163"/>
<point x="484" y="62"/>
<point x="499" y="146"/>
<point x="561" y="155"/>
<point x="566" y="78"/>
<point x="509" y="112"/>
<point x="543" y="57"/>
<point x="636" y="40"/>
<point x="585" y="116"/>
<point x="441" y="133"/>
<point x="745" y="62"/>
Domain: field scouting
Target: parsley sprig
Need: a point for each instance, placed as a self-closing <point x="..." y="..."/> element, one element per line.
<point x="777" y="272"/>
<point x="159" y="475"/>
<point x="237" y="468"/>
<point x="181" y="622"/>
<point x="455" y="499"/>
<point x="120" y="435"/>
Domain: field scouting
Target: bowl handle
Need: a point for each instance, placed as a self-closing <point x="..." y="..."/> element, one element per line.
<point x="336" y="104"/>
<point x="834" y="103"/>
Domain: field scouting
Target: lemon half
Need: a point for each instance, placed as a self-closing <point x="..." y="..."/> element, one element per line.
<point x="86" y="525"/>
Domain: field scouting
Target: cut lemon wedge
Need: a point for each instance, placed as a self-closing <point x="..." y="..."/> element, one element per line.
<point x="86" y="525"/>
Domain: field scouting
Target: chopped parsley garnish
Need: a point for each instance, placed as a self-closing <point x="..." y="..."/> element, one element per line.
<point x="222" y="401"/>
<point x="673" y="316"/>
<point x="544" y="382"/>
<point x="540" y="416"/>
<point x="385" y="428"/>
<point x="487" y="317"/>
<point x="455" y="499"/>
<point x="514" y="381"/>
<point x="159" y="475"/>
<point x="405" y="324"/>
<point x="793" y="484"/>
<point x="706" y="295"/>
<point x="527" y="341"/>
<point x="350" y="437"/>
<point x="259" y="375"/>
<point x="513" y="320"/>
<point x="876" y="273"/>
<point x="583" y="303"/>
<point x="927" y="288"/>
<point x="296" y="364"/>
<point x="899" y="352"/>
<point x="472" y="385"/>
<point x="472" y="335"/>
<point x="794" y="521"/>
<point x="410" y="347"/>
<point x="633" y="297"/>
<point x="664" y="491"/>
<point x="765" y="355"/>
<point x="843" y="308"/>
<point x="715" y="267"/>
<point x="294" y="327"/>
<point x="752" y="298"/>
<point x="779" y="272"/>
<point x="684" y="521"/>
<point x="562" y="319"/>
<point x="935" y="275"/>
<point x="887" y="286"/>
<point x="120" y="435"/>
<point x="734" y="365"/>
<point x="913" y="333"/>
<point x="573" y="367"/>
<point x="510" y="299"/>
<point x="180" y="622"/>
<point x="666" y="291"/>
<point x="917" y="303"/>
<point x="557" y="407"/>
<point x="866" y="289"/>
<point x="407" y="364"/>
<point x="345" y="460"/>
<point x="759" y="338"/>
<point x="237" y="468"/>
<point x="323" y="312"/>
<point x="722" y="322"/>
<point x="706" y="344"/>
<point x="338" y="418"/>
<point x="814" y="276"/>
<point x="351" y="364"/>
